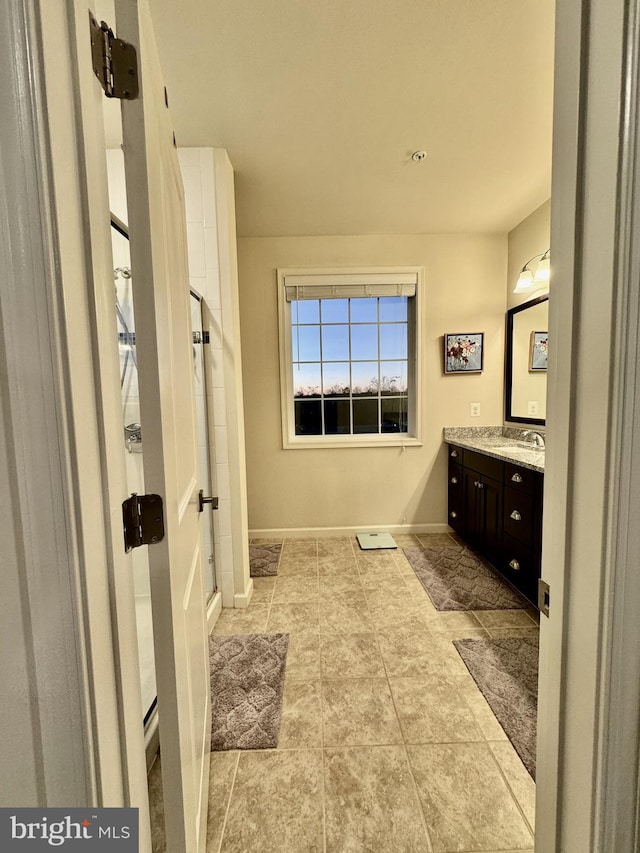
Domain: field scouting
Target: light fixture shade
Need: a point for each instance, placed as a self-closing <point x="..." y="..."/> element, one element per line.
<point x="543" y="270"/>
<point x="525" y="282"/>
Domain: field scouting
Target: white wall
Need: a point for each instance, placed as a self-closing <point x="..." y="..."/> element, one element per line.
<point x="334" y="488"/>
<point x="210" y="209"/>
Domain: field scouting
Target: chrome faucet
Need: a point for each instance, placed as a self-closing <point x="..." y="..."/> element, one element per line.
<point x="537" y="439"/>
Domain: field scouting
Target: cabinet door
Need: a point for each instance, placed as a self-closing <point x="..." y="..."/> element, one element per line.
<point x="473" y="521"/>
<point x="491" y="497"/>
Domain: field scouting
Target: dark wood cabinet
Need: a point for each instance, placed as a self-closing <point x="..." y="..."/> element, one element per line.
<point x="496" y="507"/>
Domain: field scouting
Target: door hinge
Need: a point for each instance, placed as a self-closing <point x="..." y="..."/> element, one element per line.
<point x="543" y="597"/>
<point x="142" y="521"/>
<point x="115" y="62"/>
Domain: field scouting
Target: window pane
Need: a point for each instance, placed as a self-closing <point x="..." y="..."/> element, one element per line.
<point x="294" y="312"/>
<point x="335" y="310"/>
<point x="393" y="308"/>
<point x="306" y="380"/>
<point x="308" y="311"/>
<point x="306" y="343"/>
<point x="394" y="414"/>
<point x="335" y="343"/>
<point x="393" y="340"/>
<point x="335" y="378"/>
<point x="364" y="342"/>
<point x="364" y="378"/>
<point x="337" y="417"/>
<point x="365" y="416"/>
<point x="364" y="310"/>
<point x="393" y="377"/>
<point x="308" y="417"/>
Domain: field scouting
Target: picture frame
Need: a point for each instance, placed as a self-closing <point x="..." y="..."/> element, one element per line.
<point x="464" y="352"/>
<point x="538" y="351"/>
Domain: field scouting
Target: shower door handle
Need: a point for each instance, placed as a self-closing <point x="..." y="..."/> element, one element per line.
<point x="202" y="501"/>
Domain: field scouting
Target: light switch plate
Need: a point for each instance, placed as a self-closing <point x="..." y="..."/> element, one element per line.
<point x="475" y="410"/>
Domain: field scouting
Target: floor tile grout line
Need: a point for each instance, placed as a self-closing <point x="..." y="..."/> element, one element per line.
<point x="406" y="752"/>
<point x="228" y="809"/>
<point x="511" y="791"/>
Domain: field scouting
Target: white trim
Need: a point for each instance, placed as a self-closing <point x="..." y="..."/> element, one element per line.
<point x="214" y="609"/>
<point x="320" y="532"/>
<point x="241" y="600"/>
<point x="291" y="441"/>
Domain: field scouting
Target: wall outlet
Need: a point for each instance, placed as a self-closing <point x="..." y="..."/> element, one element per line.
<point x="532" y="408"/>
<point x="475" y="410"/>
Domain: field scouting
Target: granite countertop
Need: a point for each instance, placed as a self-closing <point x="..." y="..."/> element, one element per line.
<point x="504" y="443"/>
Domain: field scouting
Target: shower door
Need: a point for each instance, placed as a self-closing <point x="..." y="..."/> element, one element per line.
<point x="206" y="453"/>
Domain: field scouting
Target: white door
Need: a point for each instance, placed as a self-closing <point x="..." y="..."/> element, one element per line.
<point x="167" y="412"/>
<point x="157" y="226"/>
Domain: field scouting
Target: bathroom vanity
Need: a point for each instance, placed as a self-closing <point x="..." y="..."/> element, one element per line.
<point x="495" y="487"/>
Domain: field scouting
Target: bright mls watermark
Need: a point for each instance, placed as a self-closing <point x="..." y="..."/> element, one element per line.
<point x="34" y="830"/>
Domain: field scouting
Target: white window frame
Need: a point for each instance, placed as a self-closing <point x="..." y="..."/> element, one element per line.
<point x="313" y="276"/>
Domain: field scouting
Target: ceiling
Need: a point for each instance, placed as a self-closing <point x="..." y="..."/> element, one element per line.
<point x="320" y="104"/>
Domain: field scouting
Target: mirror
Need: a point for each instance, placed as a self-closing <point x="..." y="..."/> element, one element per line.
<point x="526" y="362"/>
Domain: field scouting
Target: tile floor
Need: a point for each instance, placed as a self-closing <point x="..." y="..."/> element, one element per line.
<point x="386" y="743"/>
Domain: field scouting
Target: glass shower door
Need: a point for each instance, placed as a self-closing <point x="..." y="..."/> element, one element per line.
<point x="205" y="445"/>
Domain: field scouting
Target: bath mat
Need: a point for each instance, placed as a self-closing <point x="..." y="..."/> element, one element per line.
<point x="370" y="541"/>
<point x="506" y="671"/>
<point x="455" y="578"/>
<point x="263" y="560"/>
<point x="247" y="684"/>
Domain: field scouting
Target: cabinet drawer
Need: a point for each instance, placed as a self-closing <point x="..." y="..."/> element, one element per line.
<point x="484" y="464"/>
<point x="455" y="454"/>
<point x="519" y="515"/>
<point x="455" y="474"/>
<point x="521" y="566"/>
<point x="521" y="479"/>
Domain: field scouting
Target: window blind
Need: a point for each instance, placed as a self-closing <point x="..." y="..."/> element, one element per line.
<point x="325" y="286"/>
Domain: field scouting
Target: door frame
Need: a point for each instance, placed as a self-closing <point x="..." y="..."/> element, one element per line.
<point x="595" y="262"/>
<point x="587" y="793"/>
<point x="63" y="368"/>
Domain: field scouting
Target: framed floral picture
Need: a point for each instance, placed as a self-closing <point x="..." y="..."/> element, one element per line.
<point x="538" y="351"/>
<point x="464" y="352"/>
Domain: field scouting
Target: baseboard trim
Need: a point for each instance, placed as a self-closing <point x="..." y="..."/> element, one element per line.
<point x="242" y="600"/>
<point x="301" y="532"/>
<point x="214" y="609"/>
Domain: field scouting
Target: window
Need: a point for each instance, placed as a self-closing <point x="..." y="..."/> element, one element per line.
<point x="348" y="344"/>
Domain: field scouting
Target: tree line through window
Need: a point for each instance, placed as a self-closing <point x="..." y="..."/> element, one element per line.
<point x="350" y="361"/>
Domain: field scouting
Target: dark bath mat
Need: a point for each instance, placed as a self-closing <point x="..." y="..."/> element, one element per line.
<point x="247" y="684"/>
<point x="506" y="671"/>
<point x="263" y="560"/>
<point x="457" y="579"/>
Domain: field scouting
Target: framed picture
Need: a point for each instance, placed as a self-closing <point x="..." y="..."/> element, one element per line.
<point x="538" y="351"/>
<point x="464" y="352"/>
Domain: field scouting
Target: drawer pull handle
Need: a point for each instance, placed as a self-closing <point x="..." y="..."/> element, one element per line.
<point x="453" y="480"/>
<point x="515" y="515"/>
<point x="516" y="478"/>
<point x="515" y="565"/>
<point x="454" y="454"/>
<point x="453" y="514"/>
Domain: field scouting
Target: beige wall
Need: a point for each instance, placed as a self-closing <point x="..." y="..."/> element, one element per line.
<point x="302" y="489"/>
<point x="531" y="237"/>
